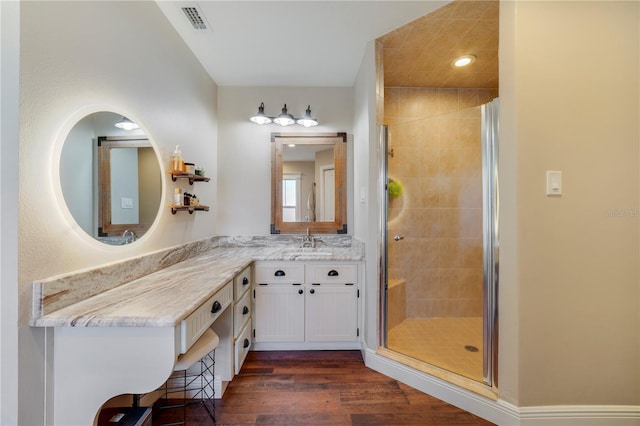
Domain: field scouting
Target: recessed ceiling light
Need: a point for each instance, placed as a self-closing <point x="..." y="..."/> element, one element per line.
<point x="463" y="61"/>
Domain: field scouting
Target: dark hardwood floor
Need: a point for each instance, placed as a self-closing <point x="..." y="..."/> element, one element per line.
<point x="324" y="388"/>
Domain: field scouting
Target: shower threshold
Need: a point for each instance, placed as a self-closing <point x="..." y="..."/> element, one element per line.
<point x="440" y="373"/>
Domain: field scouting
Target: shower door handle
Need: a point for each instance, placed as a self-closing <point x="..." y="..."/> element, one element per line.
<point x="399" y="237"/>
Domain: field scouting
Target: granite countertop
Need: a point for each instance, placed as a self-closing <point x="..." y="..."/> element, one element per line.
<point x="166" y="296"/>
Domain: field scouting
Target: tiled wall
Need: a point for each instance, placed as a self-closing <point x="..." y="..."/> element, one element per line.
<point x="435" y="138"/>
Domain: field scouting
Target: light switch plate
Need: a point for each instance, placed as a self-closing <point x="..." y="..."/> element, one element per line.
<point x="126" y="202"/>
<point x="554" y="183"/>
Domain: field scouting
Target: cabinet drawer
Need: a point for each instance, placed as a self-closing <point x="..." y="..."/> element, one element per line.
<point x="242" y="282"/>
<point x="280" y="272"/>
<point x="192" y="327"/>
<point x="331" y="273"/>
<point x="241" y="313"/>
<point x="242" y="346"/>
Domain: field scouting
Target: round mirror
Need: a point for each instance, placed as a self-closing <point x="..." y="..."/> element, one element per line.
<point x="110" y="178"/>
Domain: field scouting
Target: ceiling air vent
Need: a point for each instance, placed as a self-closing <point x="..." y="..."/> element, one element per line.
<point x="195" y="16"/>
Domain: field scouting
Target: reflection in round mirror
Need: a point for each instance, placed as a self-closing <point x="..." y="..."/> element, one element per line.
<point x="111" y="179"/>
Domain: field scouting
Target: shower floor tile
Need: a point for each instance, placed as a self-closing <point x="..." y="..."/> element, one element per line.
<point x="441" y="342"/>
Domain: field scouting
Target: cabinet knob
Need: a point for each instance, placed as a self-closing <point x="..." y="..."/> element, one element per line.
<point x="245" y="310"/>
<point x="312" y="291"/>
<point x="279" y="273"/>
<point x="333" y="273"/>
<point x="216" y="307"/>
<point x="300" y="291"/>
<point x="245" y="281"/>
<point x="246" y="343"/>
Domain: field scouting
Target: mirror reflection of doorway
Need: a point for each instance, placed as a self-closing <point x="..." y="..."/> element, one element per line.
<point x="328" y="194"/>
<point x="308" y="179"/>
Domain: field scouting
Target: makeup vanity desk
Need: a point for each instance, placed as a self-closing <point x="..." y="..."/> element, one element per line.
<point x="122" y="335"/>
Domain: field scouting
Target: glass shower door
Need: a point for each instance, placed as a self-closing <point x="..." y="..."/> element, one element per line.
<point x="440" y="238"/>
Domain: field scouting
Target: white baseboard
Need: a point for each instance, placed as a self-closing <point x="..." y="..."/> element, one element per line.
<point x="305" y="346"/>
<point x="580" y="415"/>
<point x="501" y="412"/>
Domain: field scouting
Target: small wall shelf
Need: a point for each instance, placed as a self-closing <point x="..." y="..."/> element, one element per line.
<point x="175" y="209"/>
<point x="176" y="174"/>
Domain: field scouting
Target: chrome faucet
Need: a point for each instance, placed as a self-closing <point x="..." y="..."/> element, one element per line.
<point x="308" y="240"/>
<point x="128" y="236"/>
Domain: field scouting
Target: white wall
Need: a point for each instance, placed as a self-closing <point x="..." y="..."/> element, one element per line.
<point x="72" y="64"/>
<point x="569" y="86"/>
<point x="365" y="179"/>
<point x="244" y="149"/>
<point x="9" y="129"/>
<point x="508" y="295"/>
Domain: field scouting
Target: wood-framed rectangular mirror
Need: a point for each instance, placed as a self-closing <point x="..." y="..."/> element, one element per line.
<point x="129" y="185"/>
<point x="308" y="183"/>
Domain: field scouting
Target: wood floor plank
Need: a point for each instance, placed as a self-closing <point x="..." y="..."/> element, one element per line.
<point x="305" y="419"/>
<point x="326" y="388"/>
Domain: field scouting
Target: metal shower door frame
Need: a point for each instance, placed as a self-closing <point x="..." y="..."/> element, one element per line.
<point x="490" y="212"/>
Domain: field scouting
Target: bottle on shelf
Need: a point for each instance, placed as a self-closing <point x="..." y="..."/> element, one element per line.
<point x="177" y="163"/>
<point x="177" y="197"/>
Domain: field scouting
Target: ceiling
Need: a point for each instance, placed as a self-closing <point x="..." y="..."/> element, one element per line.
<point x="321" y="43"/>
<point x="420" y="54"/>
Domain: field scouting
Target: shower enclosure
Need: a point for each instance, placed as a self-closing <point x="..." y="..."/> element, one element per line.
<point x="439" y="235"/>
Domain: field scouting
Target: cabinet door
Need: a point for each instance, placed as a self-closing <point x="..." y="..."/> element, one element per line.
<point x="331" y="313"/>
<point x="279" y="313"/>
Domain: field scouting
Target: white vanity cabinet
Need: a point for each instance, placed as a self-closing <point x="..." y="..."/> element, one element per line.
<point x="313" y="304"/>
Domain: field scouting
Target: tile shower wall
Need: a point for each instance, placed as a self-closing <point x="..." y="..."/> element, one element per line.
<point x="435" y="154"/>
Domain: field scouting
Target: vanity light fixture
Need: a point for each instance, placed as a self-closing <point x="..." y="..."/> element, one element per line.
<point x="307" y="120"/>
<point x="260" y="117"/>
<point x="463" y="61"/>
<point x="284" y="119"/>
<point x="126" y="124"/>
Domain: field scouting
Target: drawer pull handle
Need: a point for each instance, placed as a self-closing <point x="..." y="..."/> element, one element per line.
<point x="333" y="273"/>
<point x="300" y="291"/>
<point x="245" y="310"/>
<point x="216" y="307"/>
<point x="312" y="291"/>
<point x="246" y="343"/>
<point x="279" y="273"/>
<point x="245" y="280"/>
